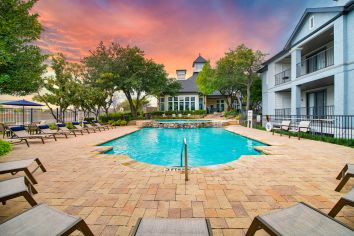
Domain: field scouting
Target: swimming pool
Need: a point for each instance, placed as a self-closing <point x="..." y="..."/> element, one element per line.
<point x="206" y="146"/>
<point x="182" y="121"/>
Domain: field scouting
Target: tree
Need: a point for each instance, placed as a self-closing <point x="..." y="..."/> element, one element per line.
<point x="126" y="69"/>
<point x="99" y="74"/>
<point x="21" y="62"/>
<point x="61" y="89"/>
<point x="126" y="106"/>
<point x="248" y="62"/>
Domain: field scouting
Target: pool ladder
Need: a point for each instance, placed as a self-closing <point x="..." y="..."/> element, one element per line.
<point x="184" y="148"/>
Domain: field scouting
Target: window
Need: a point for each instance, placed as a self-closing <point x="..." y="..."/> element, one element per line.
<point x="175" y="105"/>
<point x="162" y="104"/>
<point x="192" y="103"/>
<point x="312" y="22"/>
<point x="220" y="105"/>
<point x="181" y="103"/>
<point x="201" y="103"/>
<point x="170" y="104"/>
<point x="186" y="104"/>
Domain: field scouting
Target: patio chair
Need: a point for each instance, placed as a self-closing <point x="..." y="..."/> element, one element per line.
<point x="347" y="199"/>
<point x="160" y="226"/>
<point x="13" y="167"/>
<point x="4" y="130"/>
<point x="44" y="220"/>
<point x="62" y="127"/>
<point x="91" y="127"/>
<point x="20" y="132"/>
<point x="46" y="130"/>
<point x="304" y="126"/>
<point x="96" y="123"/>
<point x="285" y="125"/>
<point x="17" y="187"/>
<point x="346" y="173"/>
<point x="79" y="127"/>
<point x="299" y="219"/>
<point x="164" y="115"/>
<point x="173" y="115"/>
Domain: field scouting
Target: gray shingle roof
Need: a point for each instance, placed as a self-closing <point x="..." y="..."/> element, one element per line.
<point x="199" y="59"/>
<point x="190" y="85"/>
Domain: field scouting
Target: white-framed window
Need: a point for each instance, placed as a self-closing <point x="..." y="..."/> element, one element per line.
<point x="312" y="22"/>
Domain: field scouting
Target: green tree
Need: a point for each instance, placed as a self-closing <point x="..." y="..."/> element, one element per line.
<point x="62" y="89"/>
<point x="21" y="62"/>
<point x="126" y="106"/>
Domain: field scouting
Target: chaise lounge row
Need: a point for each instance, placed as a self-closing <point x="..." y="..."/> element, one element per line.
<point x="19" y="133"/>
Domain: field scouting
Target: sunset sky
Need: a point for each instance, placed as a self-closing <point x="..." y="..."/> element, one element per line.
<point x="170" y="32"/>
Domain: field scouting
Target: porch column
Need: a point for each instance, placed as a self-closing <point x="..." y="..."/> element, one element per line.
<point x="295" y="59"/>
<point x="340" y="94"/>
<point x="295" y="99"/>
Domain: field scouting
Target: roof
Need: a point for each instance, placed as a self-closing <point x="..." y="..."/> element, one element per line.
<point x="340" y="9"/>
<point x="190" y="85"/>
<point x="199" y="59"/>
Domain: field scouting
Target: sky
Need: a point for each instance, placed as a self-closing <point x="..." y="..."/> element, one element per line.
<point x="171" y="32"/>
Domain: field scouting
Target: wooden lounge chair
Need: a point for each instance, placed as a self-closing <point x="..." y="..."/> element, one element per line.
<point x="17" y="187"/>
<point x="304" y="126"/>
<point x="4" y="130"/>
<point x="70" y="131"/>
<point x="347" y="199"/>
<point x="285" y="125"/>
<point x="79" y="127"/>
<point x="16" y="166"/>
<point x="43" y="220"/>
<point x="46" y="130"/>
<point x="346" y="173"/>
<point x="90" y="127"/>
<point x="96" y="123"/>
<point x="16" y="140"/>
<point x="161" y="227"/>
<point x="20" y="132"/>
<point x="299" y="219"/>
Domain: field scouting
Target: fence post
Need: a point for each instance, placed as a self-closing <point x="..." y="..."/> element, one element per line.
<point x="31" y="117"/>
<point x="185" y="161"/>
<point x="57" y="115"/>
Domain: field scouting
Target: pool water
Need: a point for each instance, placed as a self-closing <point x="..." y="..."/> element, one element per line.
<point x="182" y="121"/>
<point x="206" y="146"/>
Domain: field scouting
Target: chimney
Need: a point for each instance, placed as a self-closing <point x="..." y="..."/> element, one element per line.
<point x="181" y="74"/>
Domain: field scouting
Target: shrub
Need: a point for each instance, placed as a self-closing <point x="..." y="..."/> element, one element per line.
<point x="5" y="147"/>
<point x="238" y="117"/>
<point x="230" y="113"/>
<point x="89" y="119"/>
<point x="123" y="122"/>
<point x="115" y="116"/>
<point x="53" y="126"/>
<point x="69" y="125"/>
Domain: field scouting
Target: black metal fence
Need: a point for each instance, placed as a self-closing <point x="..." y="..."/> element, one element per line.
<point x="19" y="116"/>
<point x="336" y="126"/>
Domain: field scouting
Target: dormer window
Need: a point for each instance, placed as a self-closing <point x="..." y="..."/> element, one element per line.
<point x="312" y="22"/>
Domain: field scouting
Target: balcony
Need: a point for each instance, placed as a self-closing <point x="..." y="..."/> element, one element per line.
<point x="282" y="112"/>
<point x="282" y="77"/>
<point x="316" y="62"/>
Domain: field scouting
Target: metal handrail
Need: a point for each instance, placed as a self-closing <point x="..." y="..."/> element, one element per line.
<point x="185" y="160"/>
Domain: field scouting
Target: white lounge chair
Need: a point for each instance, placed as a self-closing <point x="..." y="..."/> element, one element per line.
<point x="304" y="126"/>
<point x="285" y="125"/>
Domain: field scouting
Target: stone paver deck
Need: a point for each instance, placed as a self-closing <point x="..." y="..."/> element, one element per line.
<point x="111" y="192"/>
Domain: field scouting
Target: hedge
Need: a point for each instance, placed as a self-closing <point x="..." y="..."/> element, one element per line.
<point x="5" y="147"/>
<point x="115" y="116"/>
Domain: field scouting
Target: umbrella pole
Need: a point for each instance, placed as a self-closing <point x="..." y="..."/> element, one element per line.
<point x="23" y="115"/>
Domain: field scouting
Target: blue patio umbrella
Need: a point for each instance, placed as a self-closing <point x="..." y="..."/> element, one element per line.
<point x="23" y="103"/>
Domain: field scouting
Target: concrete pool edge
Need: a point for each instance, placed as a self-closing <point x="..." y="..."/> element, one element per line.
<point x="130" y="162"/>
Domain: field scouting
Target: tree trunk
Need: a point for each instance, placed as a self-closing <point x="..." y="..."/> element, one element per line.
<point x="239" y="102"/>
<point x="131" y="104"/>
<point x="228" y="98"/>
<point x="248" y="96"/>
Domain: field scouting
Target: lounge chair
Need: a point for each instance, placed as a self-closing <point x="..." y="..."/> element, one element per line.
<point x="179" y="115"/>
<point x="285" y="125"/>
<point x="46" y="130"/>
<point x="17" y="187"/>
<point x="16" y="140"/>
<point x="20" y="132"/>
<point x="304" y="126"/>
<point x="299" y="219"/>
<point x="96" y="123"/>
<point x="62" y="127"/>
<point x="346" y="173"/>
<point x="16" y="166"/>
<point x="164" y="115"/>
<point x="44" y="220"/>
<point x="347" y="199"/>
<point x="91" y="127"/>
<point x="173" y="115"/>
<point x="79" y="127"/>
<point x="160" y="226"/>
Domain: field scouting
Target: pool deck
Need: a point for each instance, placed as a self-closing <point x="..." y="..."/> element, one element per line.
<point x="111" y="192"/>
